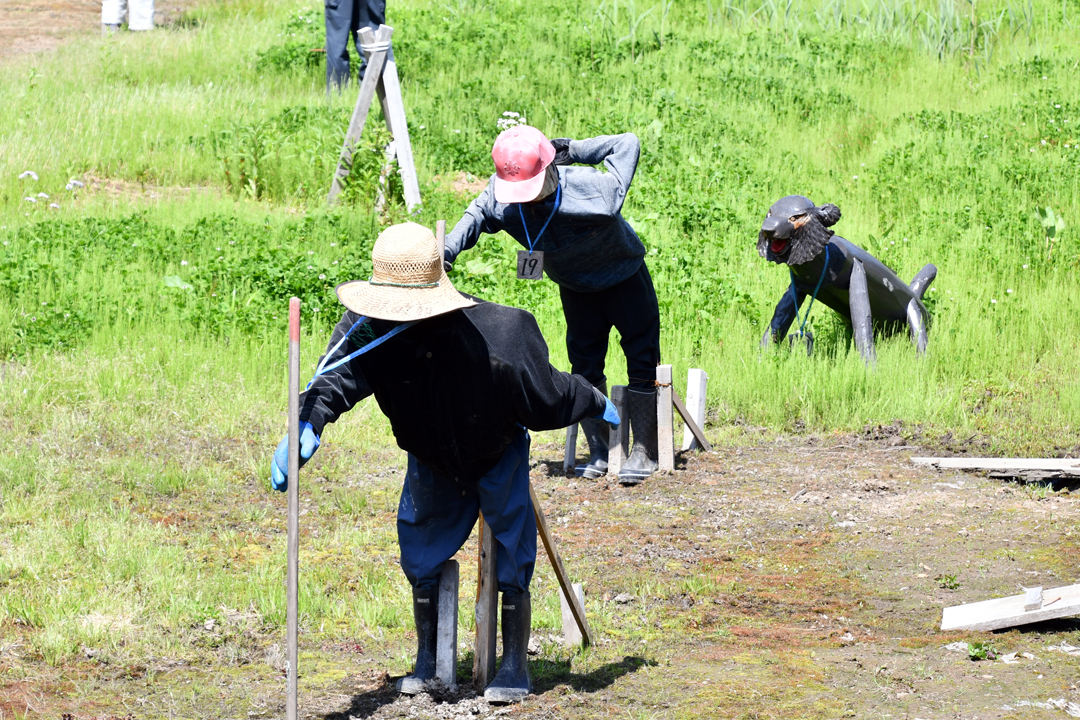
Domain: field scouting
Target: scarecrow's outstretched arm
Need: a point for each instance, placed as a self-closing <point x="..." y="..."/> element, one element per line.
<point x="782" y="317"/>
<point x="861" y="322"/>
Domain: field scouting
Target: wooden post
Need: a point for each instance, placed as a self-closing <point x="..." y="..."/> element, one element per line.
<point x="380" y="79"/>
<point x="487" y="609"/>
<point x="576" y="608"/>
<point x="570" y="630"/>
<point x="446" y="645"/>
<point x="664" y="420"/>
<point x="570" y="450"/>
<point x="696" y="383"/>
<point x="619" y="439"/>
<point x="440" y="237"/>
<point x="293" y="522"/>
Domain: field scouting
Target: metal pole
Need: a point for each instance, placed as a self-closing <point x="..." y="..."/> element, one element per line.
<point x="292" y="595"/>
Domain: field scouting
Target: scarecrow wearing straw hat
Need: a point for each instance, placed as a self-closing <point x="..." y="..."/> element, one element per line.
<point x="460" y="381"/>
<point x="569" y="220"/>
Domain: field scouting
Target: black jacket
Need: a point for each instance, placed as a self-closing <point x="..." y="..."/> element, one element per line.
<point x="455" y="387"/>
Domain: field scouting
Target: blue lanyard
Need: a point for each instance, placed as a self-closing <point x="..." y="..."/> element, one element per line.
<point x="324" y="368"/>
<point x="558" y="200"/>
<point x="813" y="297"/>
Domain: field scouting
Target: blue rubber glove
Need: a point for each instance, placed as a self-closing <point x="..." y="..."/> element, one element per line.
<point x="279" y="468"/>
<point x="610" y="416"/>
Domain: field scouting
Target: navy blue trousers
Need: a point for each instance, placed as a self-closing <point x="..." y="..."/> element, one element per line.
<point x="436" y="516"/>
<point x="344" y="18"/>
<point x="631" y="308"/>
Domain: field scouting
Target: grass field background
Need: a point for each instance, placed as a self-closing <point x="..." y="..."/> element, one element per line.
<point x="142" y="321"/>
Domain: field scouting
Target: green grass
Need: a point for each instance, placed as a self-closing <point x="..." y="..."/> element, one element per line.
<point x="124" y="397"/>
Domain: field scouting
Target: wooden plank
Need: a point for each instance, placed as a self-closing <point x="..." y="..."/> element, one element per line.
<point x="570" y="630"/>
<point x="1009" y="611"/>
<point x="576" y="608"/>
<point x="697" y="382"/>
<point x="570" y="449"/>
<point x="292" y="572"/>
<point x="665" y="431"/>
<point x="619" y="438"/>
<point x="446" y="645"/>
<point x="697" y="432"/>
<point x="487" y="609"/>
<point x="372" y="80"/>
<point x="1033" y="599"/>
<point x="399" y="127"/>
<point x="1066" y="466"/>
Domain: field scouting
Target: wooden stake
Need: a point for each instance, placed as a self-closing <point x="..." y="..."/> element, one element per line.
<point x="664" y="420"/>
<point x="619" y="439"/>
<point x="696" y="384"/>
<point x="440" y="236"/>
<point x="576" y="607"/>
<point x="570" y="450"/>
<point x="293" y="523"/>
<point x="446" y="645"/>
<point x="487" y="609"/>
<point x="570" y="630"/>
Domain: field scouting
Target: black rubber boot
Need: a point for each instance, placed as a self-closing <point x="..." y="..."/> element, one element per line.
<point x="426" y="616"/>
<point x="596" y="434"/>
<point x="512" y="683"/>
<point x="641" y="407"/>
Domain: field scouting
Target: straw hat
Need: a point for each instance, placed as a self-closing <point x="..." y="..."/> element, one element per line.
<point x="407" y="281"/>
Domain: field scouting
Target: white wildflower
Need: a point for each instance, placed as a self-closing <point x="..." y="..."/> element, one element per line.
<point x="28" y="174"/>
<point x="323" y="277"/>
<point x="43" y="196"/>
<point x="993" y="301"/>
<point x="30" y="199"/>
<point x="54" y="206"/>
<point x="333" y="244"/>
<point x="1009" y="291"/>
<point x="183" y="262"/>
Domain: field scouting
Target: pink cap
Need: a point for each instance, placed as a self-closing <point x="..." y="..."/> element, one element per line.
<point x="521" y="156"/>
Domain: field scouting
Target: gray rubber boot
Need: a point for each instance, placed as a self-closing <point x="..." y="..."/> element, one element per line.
<point x="512" y="683"/>
<point x="641" y="407"/>
<point x="426" y="616"/>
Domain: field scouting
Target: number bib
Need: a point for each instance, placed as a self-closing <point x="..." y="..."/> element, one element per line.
<point x="530" y="266"/>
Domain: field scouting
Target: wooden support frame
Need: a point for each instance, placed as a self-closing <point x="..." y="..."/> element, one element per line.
<point x="380" y="79"/>
<point x="619" y="439"/>
<point x="487" y="609"/>
<point x="697" y="383"/>
<point x="446" y="643"/>
<point x="665" y="421"/>
<point x="577" y="608"/>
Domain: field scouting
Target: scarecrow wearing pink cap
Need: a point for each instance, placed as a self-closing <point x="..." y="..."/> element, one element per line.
<point x="569" y="222"/>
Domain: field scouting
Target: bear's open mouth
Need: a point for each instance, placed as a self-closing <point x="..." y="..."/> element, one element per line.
<point x="778" y="246"/>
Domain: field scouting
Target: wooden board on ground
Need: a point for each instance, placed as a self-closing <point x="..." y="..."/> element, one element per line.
<point x="487" y="609"/>
<point x="1009" y="611"/>
<point x="446" y="644"/>
<point x="576" y="607"/>
<point x="1033" y="468"/>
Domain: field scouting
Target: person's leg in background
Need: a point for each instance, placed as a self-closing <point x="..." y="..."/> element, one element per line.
<point x="635" y="313"/>
<point x="140" y="15"/>
<point x="370" y="14"/>
<point x="112" y="15"/>
<point x="587" y="331"/>
<point x="339" y="26"/>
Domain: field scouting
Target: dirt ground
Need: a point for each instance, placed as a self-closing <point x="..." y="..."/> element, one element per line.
<point x="797" y="578"/>
<point x="28" y="26"/>
<point x="813" y="575"/>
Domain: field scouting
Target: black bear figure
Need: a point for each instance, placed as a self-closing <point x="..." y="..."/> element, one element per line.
<point x="839" y="274"/>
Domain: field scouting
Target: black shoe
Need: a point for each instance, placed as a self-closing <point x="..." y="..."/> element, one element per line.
<point x="596" y="434"/>
<point x="512" y="683"/>
<point x="641" y="407"/>
<point x="426" y="615"/>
